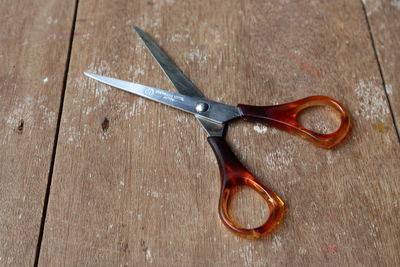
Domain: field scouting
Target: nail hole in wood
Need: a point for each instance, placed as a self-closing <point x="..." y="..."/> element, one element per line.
<point x="105" y="124"/>
<point x="20" y="127"/>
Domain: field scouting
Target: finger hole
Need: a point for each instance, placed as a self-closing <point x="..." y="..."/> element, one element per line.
<point x="320" y="119"/>
<point x="247" y="208"/>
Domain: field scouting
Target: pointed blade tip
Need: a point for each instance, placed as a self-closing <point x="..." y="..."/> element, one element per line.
<point x="89" y="74"/>
<point x="136" y="28"/>
<point x="96" y="77"/>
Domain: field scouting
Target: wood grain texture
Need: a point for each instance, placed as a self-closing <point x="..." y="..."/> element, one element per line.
<point x="383" y="17"/>
<point x="34" y="40"/>
<point x="135" y="183"/>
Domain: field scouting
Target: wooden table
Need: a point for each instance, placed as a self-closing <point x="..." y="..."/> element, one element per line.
<point x="92" y="176"/>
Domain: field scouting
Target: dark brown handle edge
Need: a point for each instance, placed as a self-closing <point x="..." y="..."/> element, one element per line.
<point x="285" y="116"/>
<point x="234" y="175"/>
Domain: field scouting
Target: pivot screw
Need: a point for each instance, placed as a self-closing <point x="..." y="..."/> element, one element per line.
<point x="201" y="107"/>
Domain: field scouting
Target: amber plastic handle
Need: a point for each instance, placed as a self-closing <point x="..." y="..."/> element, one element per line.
<point x="233" y="176"/>
<point x="285" y="117"/>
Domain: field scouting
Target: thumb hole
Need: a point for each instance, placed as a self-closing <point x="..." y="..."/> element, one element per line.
<point x="320" y="119"/>
<point x="248" y="208"/>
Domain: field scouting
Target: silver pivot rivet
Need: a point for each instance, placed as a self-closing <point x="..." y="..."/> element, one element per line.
<point x="201" y="107"/>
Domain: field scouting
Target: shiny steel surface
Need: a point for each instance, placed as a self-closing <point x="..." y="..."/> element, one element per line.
<point x="216" y="112"/>
<point x="180" y="81"/>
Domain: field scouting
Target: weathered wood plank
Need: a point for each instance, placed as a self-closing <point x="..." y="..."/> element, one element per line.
<point x="383" y="17"/>
<point x="34" y="41"/>
<point x="143" y="188"/>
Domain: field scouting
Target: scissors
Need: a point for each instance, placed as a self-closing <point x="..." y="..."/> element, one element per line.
<point x="214" y="116"/>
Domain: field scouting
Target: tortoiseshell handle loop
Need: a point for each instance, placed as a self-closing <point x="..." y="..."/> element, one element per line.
<point x="285" y="117"/>
<point x="233" y="176"/>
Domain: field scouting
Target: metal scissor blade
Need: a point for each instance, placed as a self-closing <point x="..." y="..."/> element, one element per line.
<point x="180" y="81"/>
<point x="216" y="112"/>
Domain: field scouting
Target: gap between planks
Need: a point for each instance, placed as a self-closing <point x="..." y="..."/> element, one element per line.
<point x="380" y="68"/>
<point x="53" y="155"/>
